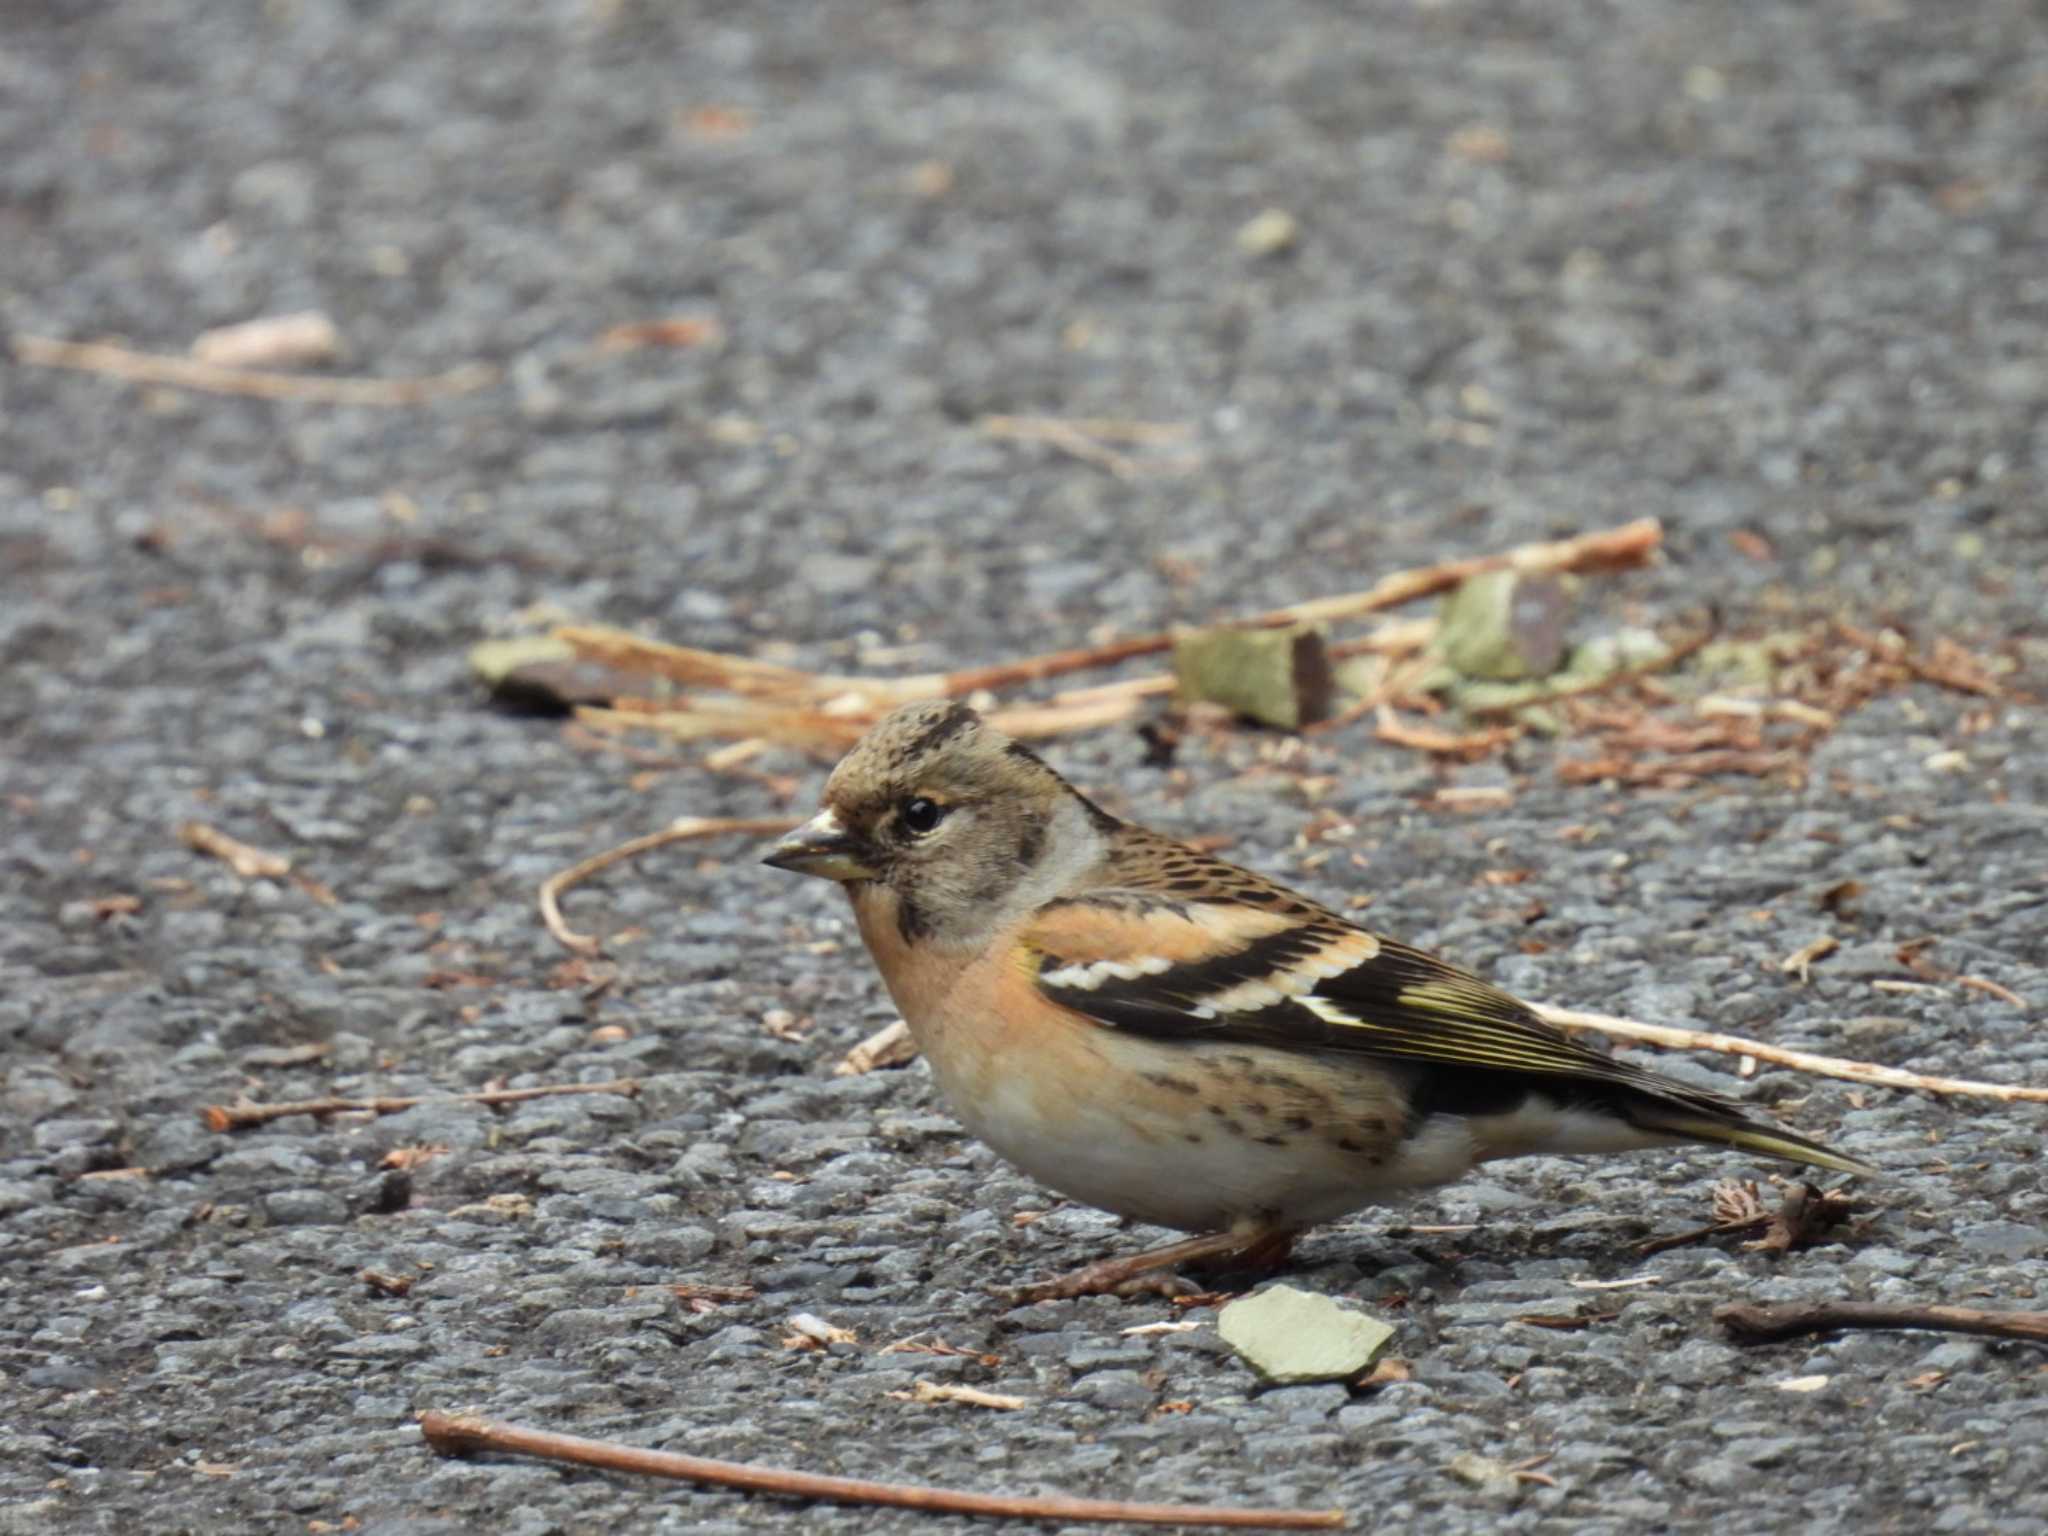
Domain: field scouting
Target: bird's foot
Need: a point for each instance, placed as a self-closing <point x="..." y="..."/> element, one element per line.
<point x="1151" y="1273"/>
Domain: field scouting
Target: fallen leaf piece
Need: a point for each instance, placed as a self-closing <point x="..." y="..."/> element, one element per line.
<point x="1291" y="1337"/>
<point x="1279" y="677"/>
<point x="1802" y="1217"/>
<point x="709" y="1298"/>
<point x="1486" y="1473"/>
<point x="1268" y="233"/>
<point x="1504" y="626"/>
<point x="889" y="1047"/>
<point x="250" y="863"/>
<point x="1738" y="1200"/>
<point x="809" y="1331"/>
<point x="542" y="674"/>
<point x="1800" y="962"/>
<point x="954" y="1392"/>
<point x="276" y="341"/>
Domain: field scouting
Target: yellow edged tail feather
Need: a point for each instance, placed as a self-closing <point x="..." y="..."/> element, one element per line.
<point x="1748" y="1135"/>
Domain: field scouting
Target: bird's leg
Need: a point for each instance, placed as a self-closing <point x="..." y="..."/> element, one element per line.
<point x="1151" y="1272"/>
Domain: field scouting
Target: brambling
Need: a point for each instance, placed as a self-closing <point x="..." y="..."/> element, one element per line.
<point x="1161" y="1034"/>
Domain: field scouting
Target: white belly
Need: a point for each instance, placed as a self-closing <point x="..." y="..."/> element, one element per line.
<point x="1205" y="1138"/>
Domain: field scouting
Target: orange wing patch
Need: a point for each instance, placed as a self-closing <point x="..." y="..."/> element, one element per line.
<point x="1088" y="935"/>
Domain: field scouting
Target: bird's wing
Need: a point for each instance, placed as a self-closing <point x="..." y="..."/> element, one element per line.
<point x="1195" y="971"/>
<point x="1188" y="948"/>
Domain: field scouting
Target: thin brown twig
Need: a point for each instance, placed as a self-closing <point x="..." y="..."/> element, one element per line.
<point x="1609" y="549"/>
<point x="1680" y="770"/>
<point x="1469" y="746"/>
<point x="1088" y="439"/>
<point x="1754" y="1324"/>
<point x="683" y="829"/>
<point x="1992" y="989"/>
<point x="259" y="384"/>
<point x="453" y="1434"/>
<point x="1803" y="1061"/>
<point x="239" y="1117"/>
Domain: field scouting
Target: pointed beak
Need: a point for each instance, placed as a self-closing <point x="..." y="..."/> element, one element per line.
<point x="820" y="847"/>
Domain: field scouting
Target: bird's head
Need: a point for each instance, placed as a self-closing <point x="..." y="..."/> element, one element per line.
<point x="963" y="826"/>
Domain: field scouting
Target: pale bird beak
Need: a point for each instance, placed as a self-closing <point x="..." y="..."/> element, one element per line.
<point x="820" y="847"/>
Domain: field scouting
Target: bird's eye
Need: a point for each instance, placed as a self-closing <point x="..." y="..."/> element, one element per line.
<point x="920" y="815"/>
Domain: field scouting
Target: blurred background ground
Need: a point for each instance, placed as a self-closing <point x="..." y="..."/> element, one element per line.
<point x="1771" y="274"/>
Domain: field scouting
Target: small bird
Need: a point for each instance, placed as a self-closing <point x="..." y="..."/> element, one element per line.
<point x="1161" y="1034"/>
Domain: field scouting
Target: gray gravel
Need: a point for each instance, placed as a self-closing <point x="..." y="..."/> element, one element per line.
<point x="1763" y="268"/>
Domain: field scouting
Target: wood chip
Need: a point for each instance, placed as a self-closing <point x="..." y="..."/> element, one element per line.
<point x="249" y="862"/>
<point x="809" y="1331"/>
<point x="276" y="341"/>
<point x="954" y="1392"/>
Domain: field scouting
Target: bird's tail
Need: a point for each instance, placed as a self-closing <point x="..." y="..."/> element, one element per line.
<point x="1732" y="1129"/>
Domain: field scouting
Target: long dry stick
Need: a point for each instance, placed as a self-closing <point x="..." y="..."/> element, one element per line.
<point x="1609" y="549"/>
<point x="683" y="829"/>
<point x="239" y="1117"/>
<point x="1754" y="1324"/>
<point x="1821" y="1066"/>
<point x="454" y="1434"/>
<point x="215" y="379"/>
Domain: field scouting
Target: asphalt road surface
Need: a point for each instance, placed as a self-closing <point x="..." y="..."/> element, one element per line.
<point x="1773" y="274"/>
